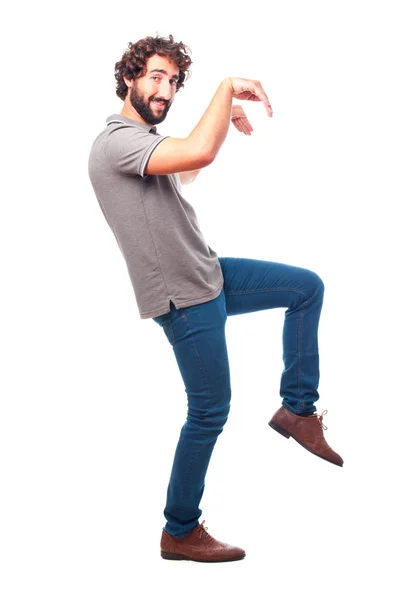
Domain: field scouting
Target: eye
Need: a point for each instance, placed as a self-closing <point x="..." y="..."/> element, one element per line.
<point x="173" y="81"/>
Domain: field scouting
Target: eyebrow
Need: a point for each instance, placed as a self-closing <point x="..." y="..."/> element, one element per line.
<point x="165" y="73"/>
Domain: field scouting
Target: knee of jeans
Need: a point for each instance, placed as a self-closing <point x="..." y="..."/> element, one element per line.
<point x="318" y="287"/>
<point x="216" y="422"/>
<point x="208" y="426"/>
<point x="218" y="416"/>
<point x="215" y="415"/>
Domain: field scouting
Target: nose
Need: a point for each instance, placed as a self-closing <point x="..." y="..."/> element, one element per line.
<point x="165" y="90"/>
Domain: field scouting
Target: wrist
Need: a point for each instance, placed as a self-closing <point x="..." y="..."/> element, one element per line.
<point x="227" y="83"/>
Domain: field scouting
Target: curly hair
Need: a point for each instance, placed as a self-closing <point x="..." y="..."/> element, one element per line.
<point x="133" y="62"/>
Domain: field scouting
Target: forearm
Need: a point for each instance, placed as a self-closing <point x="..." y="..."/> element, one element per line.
<point x="212" y="129"/>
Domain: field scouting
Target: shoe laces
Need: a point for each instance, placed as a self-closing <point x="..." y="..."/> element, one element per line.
<point x="320" y="418"/>
<point x="203" y="530"/>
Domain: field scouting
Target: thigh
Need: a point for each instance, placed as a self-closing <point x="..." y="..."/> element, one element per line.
<point x="197" y="336"/>
<point x="252" y="284"/>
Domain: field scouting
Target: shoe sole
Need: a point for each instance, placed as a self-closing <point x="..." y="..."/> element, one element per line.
<point x="286" y="434"/>
<point x="172" y="556"/>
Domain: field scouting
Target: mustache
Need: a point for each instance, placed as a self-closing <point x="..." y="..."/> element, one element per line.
<point x="159" y="100"/>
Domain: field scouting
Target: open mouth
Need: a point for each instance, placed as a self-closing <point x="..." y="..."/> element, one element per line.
<point x="159" y="104"/>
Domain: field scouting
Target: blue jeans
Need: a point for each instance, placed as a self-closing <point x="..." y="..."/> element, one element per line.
<point x="197" y="336"/>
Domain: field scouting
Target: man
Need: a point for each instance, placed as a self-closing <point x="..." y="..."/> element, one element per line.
<point x="181" y="283"/>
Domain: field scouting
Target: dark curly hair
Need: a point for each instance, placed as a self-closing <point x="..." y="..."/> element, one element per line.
<point x="133" y="62"/>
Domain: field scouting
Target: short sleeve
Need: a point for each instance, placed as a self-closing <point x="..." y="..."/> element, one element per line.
<point x="128" y="149"/>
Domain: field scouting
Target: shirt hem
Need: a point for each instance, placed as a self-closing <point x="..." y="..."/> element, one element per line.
<point x="204" y="298"/>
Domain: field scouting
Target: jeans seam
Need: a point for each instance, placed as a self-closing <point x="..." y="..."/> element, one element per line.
<point x="187" y="474"/>
<point x="183" y="315"/>
<point x="267" y="290"/>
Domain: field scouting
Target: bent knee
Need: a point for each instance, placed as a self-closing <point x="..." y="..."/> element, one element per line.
<point x="315" y="283"/>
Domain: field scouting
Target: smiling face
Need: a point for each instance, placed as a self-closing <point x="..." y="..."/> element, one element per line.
<point x="150" y="97"/>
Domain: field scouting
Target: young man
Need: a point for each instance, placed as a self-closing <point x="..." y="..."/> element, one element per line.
<point x="181" y="283"/>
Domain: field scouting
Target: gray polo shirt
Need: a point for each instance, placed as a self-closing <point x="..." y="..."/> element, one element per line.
<point x="156" y="229"/>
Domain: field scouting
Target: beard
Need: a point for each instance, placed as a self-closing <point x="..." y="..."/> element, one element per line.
<point x="144" y="109"/>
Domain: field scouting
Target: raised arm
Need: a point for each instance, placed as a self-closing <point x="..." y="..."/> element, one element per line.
<point x="200" y="148"/>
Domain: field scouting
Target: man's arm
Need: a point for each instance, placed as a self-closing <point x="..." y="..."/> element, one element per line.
<point x="188" y="176"/>
<point x="200" y="148"/>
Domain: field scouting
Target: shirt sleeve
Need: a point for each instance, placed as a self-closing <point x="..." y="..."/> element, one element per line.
<point x="129" y="148"/>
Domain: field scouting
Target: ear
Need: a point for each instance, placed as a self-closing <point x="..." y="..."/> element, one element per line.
<point x="128" y="82"/>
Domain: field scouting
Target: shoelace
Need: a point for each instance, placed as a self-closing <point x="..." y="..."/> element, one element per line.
<point x="320" y="418"/>
<point x="203" y="530"/>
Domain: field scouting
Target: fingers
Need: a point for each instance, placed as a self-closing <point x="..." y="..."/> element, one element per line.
<point x="247" y="125"/>
<point x="263" y="97"/>
<point x="243" y="125"/>
<point x="236" y="123"/>
<point x="249" y="89"/>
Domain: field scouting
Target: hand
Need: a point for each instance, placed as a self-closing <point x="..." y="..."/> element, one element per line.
<point x="250" y="89"/>
<point x="240" y="120"/>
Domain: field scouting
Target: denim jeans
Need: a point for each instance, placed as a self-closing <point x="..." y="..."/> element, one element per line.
<point x="197" y="336"/>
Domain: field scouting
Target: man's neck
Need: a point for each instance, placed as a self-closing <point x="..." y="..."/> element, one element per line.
<point x="132" y="114"/>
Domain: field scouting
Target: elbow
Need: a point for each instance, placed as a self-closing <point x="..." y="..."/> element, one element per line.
<point x="207" y="160"/>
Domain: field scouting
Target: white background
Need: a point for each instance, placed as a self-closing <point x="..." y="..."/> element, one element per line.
<point x="92" y="401"/>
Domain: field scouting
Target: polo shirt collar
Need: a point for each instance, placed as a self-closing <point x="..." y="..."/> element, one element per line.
<point x="124" y="119"/>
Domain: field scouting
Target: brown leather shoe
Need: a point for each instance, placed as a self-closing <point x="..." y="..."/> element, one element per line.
<point x="307" y="431"/>
<point x="198" y="545"/>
